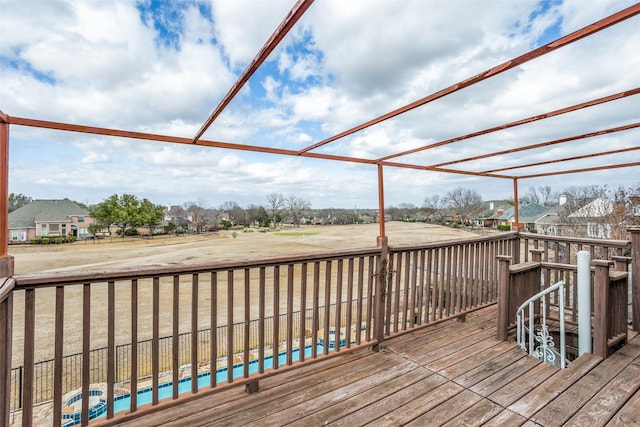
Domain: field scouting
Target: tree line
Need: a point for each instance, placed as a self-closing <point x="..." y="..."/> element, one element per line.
<point x="128" y="212"/>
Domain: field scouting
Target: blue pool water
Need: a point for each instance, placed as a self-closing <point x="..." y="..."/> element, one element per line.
<point x="166" y="390"/>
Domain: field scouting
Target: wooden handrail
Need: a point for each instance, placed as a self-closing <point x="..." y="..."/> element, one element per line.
<point x="585" y="241"/>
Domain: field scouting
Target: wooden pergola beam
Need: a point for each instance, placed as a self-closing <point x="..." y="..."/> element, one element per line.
<point x="508" y="65"/>
<point x="289" y="21"/>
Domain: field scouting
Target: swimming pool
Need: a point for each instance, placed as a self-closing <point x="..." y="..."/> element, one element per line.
<point x="123" y="402"/>
<point x="184" y="385"/>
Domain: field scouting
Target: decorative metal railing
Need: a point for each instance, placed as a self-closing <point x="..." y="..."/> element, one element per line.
<point x="533" y="333"/>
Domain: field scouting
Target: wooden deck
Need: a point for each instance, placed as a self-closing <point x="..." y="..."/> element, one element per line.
<point x="429" y="378"/>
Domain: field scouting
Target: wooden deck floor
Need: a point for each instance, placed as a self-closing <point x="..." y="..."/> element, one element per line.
<point x="428" y="378"/>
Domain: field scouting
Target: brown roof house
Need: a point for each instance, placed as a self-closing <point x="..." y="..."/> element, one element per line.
<point x="49" y="218"/>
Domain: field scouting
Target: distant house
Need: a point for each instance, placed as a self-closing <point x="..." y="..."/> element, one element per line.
<point x="48" y="218"/>
<point x="604" y="219"/>
<point x="548" y="224"/>
<point x="492" y="213"/>
<point x="528" y="215"/>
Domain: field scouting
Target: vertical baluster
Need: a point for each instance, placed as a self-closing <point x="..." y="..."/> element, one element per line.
<point x="466" y="276"/>
<point x="58" y="356"/>
<point x="455" y="295"/>
<point x="86" y="348"/>
<point x="327" y="305"/>
<point x="134" y="346"/>
<point x="194" y="332"/>
<point x="261" y="316"/>
<point x="349" y="308"/>
<point x="247" y="321"/>
<point x="175" y="339"/>
<point x="450" y="298"/>
<point x="276" y="316"/>
<point x="406" y="285"/>
<point x="396" y="292"/>
<point x="412" y="288"/>
<point x="370" y="303"/>
<point x="290" y="270"/>
<point x="338" y="321"/>
<point x="29" y="342"/>
<point x="315" y="309"/>
<point x="230" y="343"/>
<point x="389" y="294"/>
<point x="155" y="342"/>
<point x="441" y="282"/>
<point x="359" y="301"/>
<point x="213" y="351"/>
<point x="111" y="344"/>
<point x="303" y="310"/>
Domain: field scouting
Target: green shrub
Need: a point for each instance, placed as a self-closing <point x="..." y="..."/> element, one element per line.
<point x="58" y="240"/>
<point x="36" y="241"/>
<point x="45" y="240"/>
<point x="504" y="227"/>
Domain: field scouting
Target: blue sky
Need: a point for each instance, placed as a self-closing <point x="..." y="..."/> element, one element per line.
<point x="161" y="67"/>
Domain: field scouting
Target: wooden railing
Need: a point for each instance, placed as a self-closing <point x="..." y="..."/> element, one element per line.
<point x="81" y="310"/>
<point x="564" y="250"/>
<point x="609" y="287"/>
<point x="434" y="282"/>
<point x="341" y="300"/>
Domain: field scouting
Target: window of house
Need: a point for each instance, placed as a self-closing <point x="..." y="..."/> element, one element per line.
<point x="54" y="227"/>
<point x="14" y="235"/>
<point x="43" y="230"/>
<point x="80" y="219"/>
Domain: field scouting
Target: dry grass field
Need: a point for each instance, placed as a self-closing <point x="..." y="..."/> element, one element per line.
<point x="219" y="246"/>
<point x="197" y="249"/>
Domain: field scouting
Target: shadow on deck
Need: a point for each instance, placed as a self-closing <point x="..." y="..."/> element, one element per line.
<point x="453" y="373"/>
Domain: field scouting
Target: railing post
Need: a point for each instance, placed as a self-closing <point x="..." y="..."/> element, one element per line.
<point x="600" y="307"/>
<point x="382" y="275"/>
<point x="503" y="296"/>
<point x="584" y="302"/>
<point x="635" y="277"/>
<point x="6" y="332"/>
<point x="536" y="255"/>
<point x="515" y="252"/>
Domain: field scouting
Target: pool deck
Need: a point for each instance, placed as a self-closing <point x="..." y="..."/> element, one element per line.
<point x="454" y="373"/>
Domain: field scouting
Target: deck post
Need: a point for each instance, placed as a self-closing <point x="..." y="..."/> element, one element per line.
<point x="600" y="307"/>
<point x="382" y="276"/>
<point x="536" y="255"/>
<point x="503" y="296"/>
<point x="6" y="282"/>
<point x="584" y="302"/>
<point x="635" y="278"/>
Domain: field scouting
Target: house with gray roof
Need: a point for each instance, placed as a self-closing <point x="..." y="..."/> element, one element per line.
<point x="49" y="218"/>
<point x="528" y="214"/>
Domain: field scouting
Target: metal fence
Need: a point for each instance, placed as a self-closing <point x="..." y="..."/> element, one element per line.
<point x="72" y="363"/>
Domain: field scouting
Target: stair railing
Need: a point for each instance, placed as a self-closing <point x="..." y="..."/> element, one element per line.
<point x="536" y="340"/>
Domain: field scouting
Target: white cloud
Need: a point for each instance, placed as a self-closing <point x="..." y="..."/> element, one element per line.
<point x="104" y="64"/>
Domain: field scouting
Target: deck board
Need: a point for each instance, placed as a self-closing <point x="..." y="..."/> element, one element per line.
<point x="451" y="373"/>
<point x="563" y="407"/>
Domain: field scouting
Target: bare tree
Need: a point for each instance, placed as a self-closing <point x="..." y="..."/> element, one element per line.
<point x="197" y="212"/>
<point x="434" y="206"/>
<point x="235" y="212"/>
<point x="542" y="195"/>
<point x="466" y="203"/>
<point x="297" y="209"/>
<point x="275" y="205"/>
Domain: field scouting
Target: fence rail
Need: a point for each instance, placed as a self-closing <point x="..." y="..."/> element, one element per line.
<point x="72" y="363"/>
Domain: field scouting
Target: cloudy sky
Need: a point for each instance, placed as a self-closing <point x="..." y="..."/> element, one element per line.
<point x="162" y="67"/>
